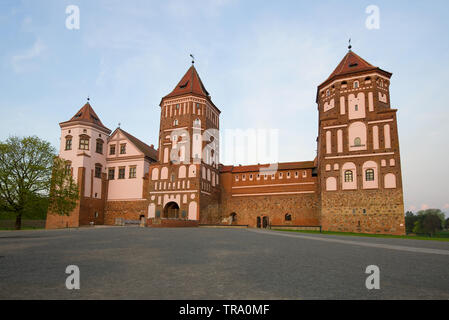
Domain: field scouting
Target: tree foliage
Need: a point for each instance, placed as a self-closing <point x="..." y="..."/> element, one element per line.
<point x="64" y="192"/>
<point x="25" y="173"/>
<point x="429" y="221"/>
<point x="410" y="220"/>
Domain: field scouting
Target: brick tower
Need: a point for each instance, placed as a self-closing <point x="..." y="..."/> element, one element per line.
<point x="184" y="183"/>
<point x="358" y="151"/>
<point x="83" y="141"/>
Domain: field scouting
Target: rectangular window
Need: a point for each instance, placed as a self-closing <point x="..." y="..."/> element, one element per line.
<point x="68" y="144"/>
<point x="132" y="172"/>
<point x="111" y="173"/>
<point x="84" y="144"/>
<point x="121" y="173"/>
<point x="123" y="148"/>
<point x="99" y="147"/>
<point x="97" y="171"/>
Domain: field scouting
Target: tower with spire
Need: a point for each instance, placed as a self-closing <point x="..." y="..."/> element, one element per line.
<point x="184" y="183"/>
<point x="83" y="140"/>
<point x="358" y="150"/>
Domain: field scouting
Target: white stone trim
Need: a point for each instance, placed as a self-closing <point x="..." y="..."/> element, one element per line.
<point x="360" y="155"/>
<point x="273" y="185"/>
<point x="270" y="194"/>
<point x="380" y="121"/>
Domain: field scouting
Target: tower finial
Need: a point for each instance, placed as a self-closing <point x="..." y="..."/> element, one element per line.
<point x="88" y="99"/>
<point x="193" y="58"/>
<point x="119" y="124"/>
<point x="349" y="46"/>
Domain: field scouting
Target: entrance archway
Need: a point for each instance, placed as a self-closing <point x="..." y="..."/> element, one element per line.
<point x="171" y="211"/>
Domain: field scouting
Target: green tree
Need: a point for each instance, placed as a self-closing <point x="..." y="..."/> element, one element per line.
<point x="429" y="221"/>
<point x="64" y="192"/>
<point x="25" y="173"/>
<point x="446" y="223"/>
<point x="410" y="220"/>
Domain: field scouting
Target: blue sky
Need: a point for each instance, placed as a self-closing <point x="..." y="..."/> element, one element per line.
<point x="261" y="62"/>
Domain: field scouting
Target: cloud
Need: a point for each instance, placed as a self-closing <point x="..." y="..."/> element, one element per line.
<point x="21" y="61"/>
<point x="446" y="206"/>
<point x="424" y="206"/>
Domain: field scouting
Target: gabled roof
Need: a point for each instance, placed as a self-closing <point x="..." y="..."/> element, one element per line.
<point x="352" y="63"/>
<point x="190" y="83"/>
<point x="87" y="114"/>
<point x="147" y="150"/>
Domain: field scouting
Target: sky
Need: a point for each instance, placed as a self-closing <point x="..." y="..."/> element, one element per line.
<point x="261" y="61"/>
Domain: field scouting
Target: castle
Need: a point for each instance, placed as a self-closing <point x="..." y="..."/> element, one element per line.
<point x="354" y="184"/>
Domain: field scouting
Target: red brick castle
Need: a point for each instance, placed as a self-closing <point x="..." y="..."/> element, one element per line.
<point x="354" y="184"/>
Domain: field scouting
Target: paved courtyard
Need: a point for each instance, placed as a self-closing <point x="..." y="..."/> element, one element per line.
<point x="209" y="263"/>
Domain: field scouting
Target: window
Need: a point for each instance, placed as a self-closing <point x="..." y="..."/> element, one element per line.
<point x="177" y="106"/>
<point x="99" y="147"/>
<point x="357" y="142"/>
<point x="348" y="176"/>
<point x="112" y="149"/>
<point x="98" y="171"/>
<point x="304" y="174"/>
<point x="288" y="217"/>
<point x="356" y="107"/>
<point x="175" y="122"/>
<point x="288" y="174"/>
<point x="132" y="172"/>
<point x="328" y="93"/>
<point x="296" y="174"/>
<point x="236" y="178"/>
<point x="197" y="105"/>
<point x="123" y="148"/>
<point x="356" y="84"/>
<point x="280" y="175"/>
<point x="68" y="168"/>
<point x="121" y="173"/>
<point x="250" y="177"/>
<point x="84" y="143"/>
<point x="68" y="143"/>
<point x="111" y="173"/>
<point x="369" y="175"/>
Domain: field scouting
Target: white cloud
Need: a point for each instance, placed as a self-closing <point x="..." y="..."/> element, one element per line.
<point x="21" y="61"/>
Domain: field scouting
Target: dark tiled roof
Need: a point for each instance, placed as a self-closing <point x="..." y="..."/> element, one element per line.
<point x="87" y="114"/>
<point x="190" y="83"/>
<point x="147" y="150"/>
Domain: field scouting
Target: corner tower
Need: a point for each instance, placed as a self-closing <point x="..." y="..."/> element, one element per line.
<point x="358" y="150"/>
<point x="184" y="184"/>
<point x="83" y="144"/>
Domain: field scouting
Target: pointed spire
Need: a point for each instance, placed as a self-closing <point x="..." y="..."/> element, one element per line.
<point x="190" y="83"/>
<point x="349" y="46"/>
<point x="87" y="114"/>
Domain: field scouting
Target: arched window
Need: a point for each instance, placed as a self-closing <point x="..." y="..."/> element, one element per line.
<point x="348" y="176"/>
<point x="357" y="142"/>
<point x="369" y="175"/>
<point x="288" y="217"/>
<point x="328" y="92"/>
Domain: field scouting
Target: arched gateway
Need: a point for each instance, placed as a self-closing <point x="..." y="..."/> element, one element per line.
<point x="171" y="211"/>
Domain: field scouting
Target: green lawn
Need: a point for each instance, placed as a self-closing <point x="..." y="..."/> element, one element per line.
<point x="442" y="236"/>
<point x="23" y="228"/>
